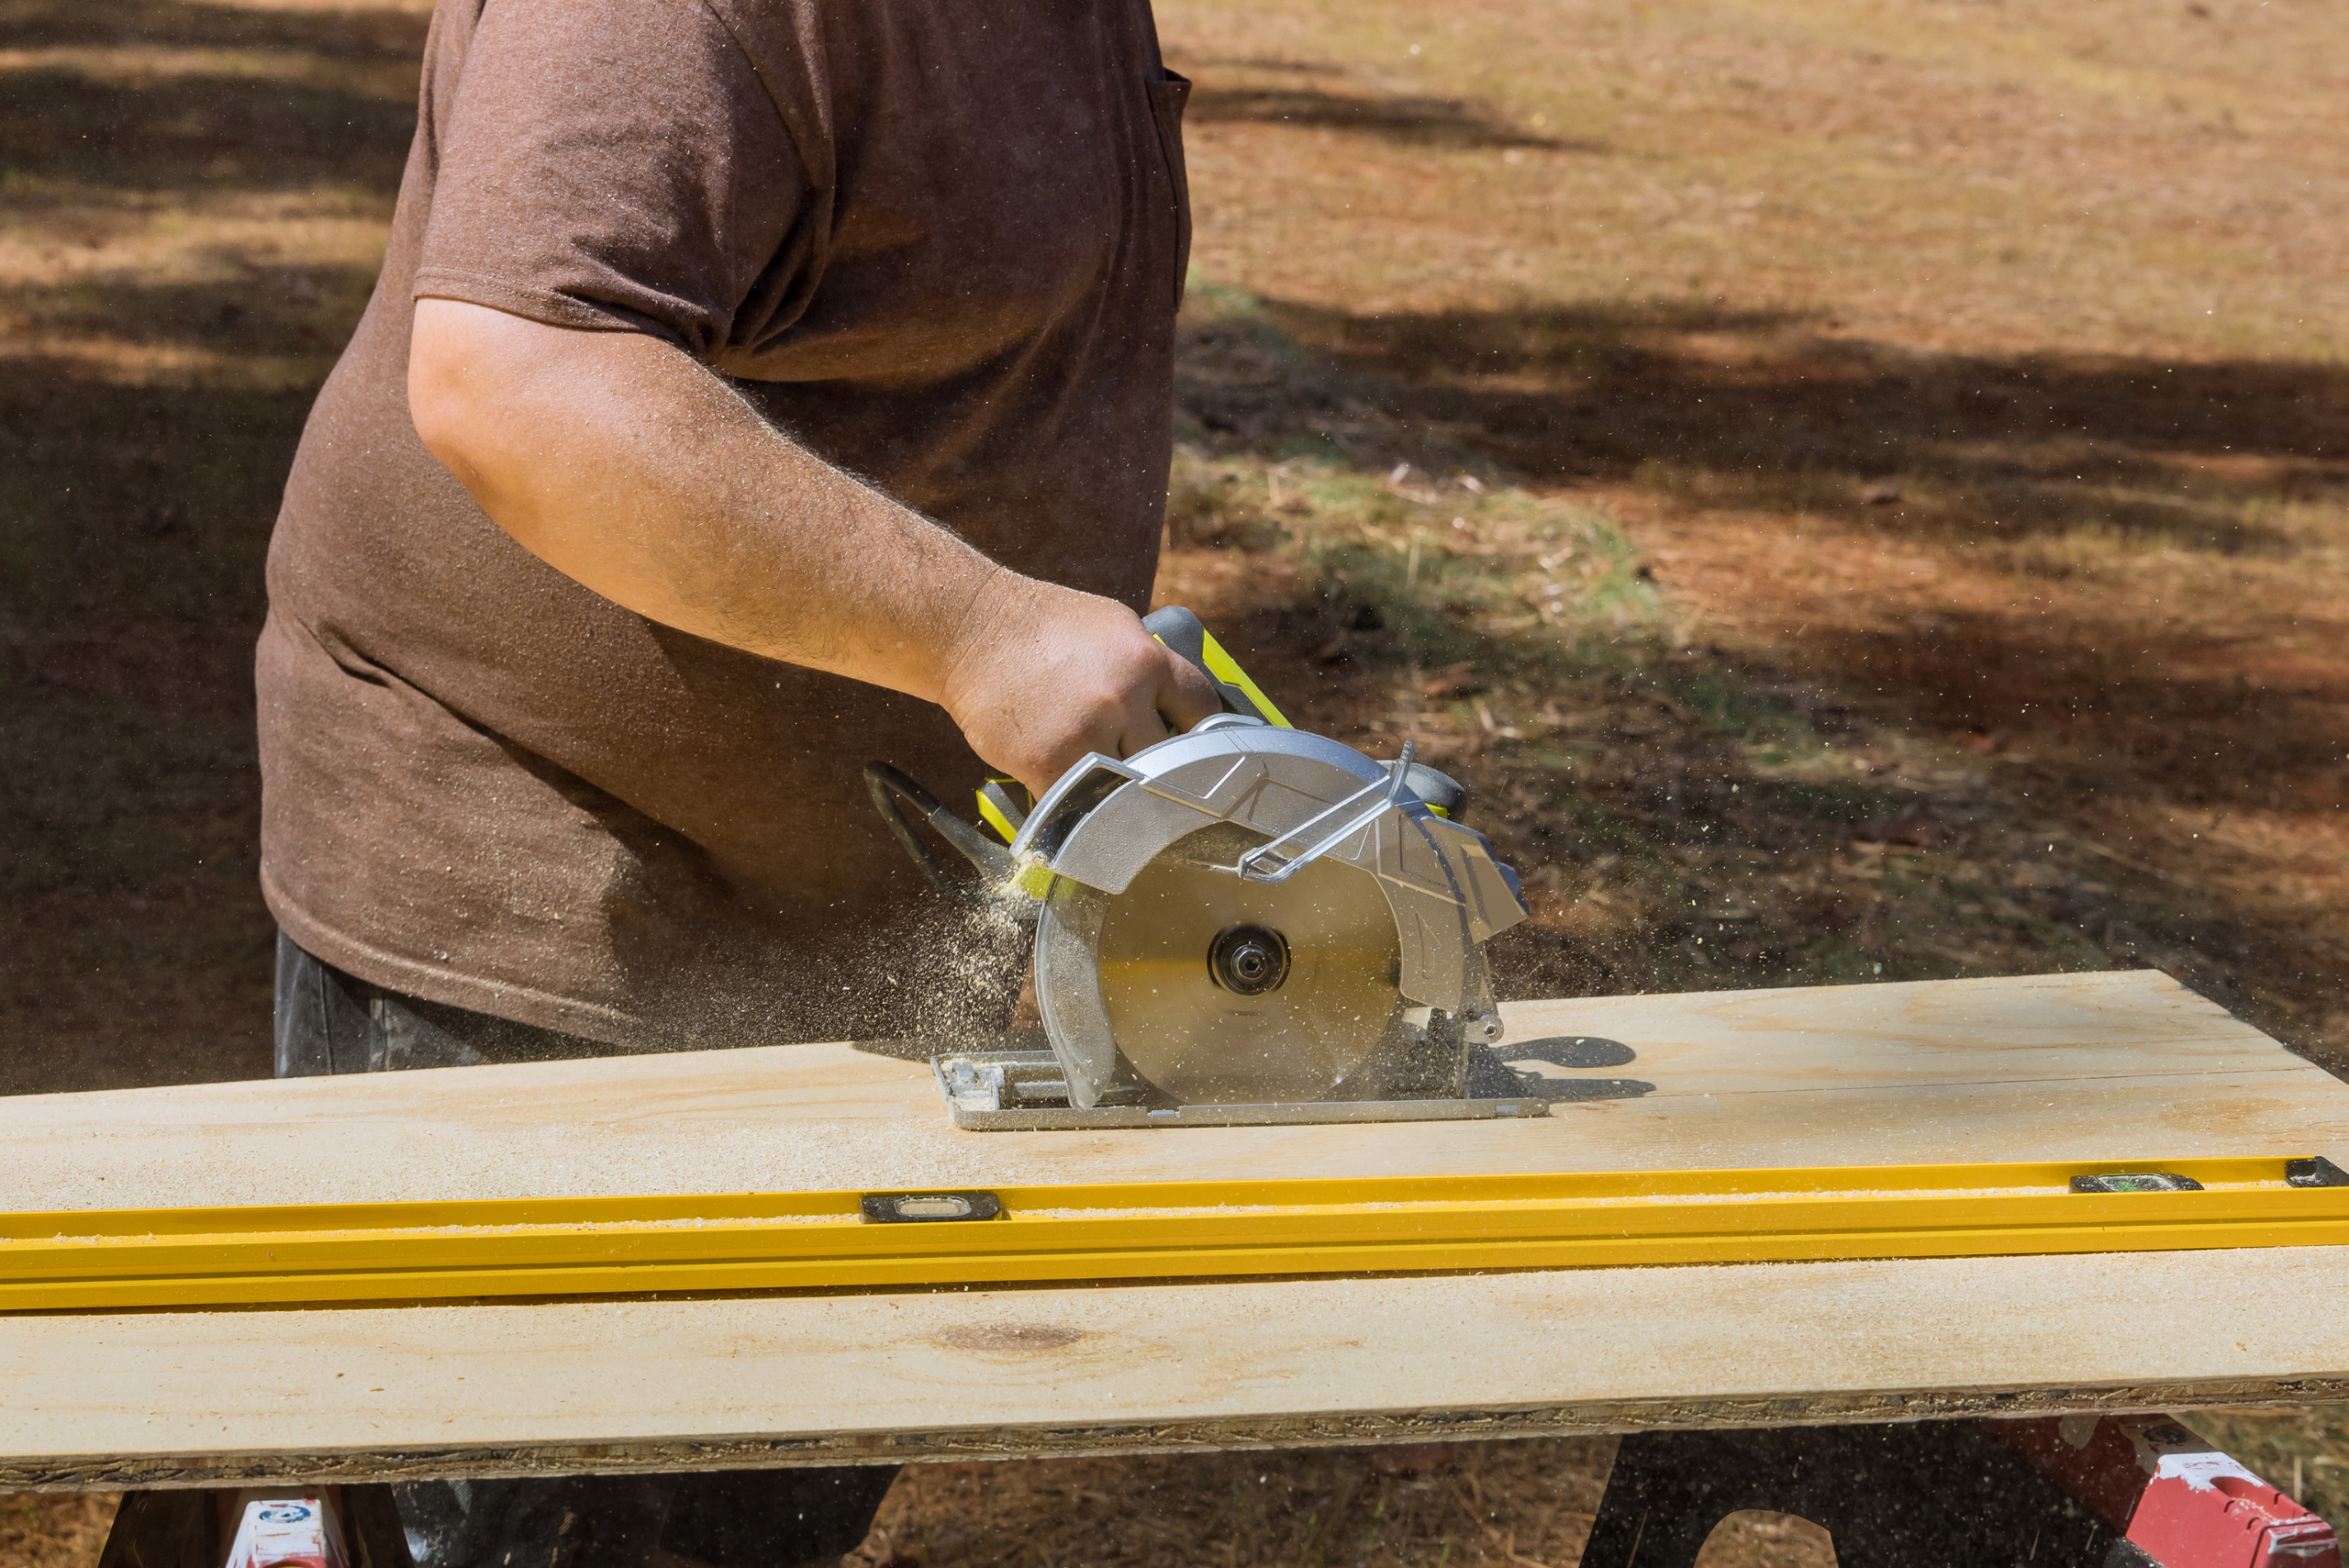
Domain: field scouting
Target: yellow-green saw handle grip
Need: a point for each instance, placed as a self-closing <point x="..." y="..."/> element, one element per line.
<point x="1183" y="635"/>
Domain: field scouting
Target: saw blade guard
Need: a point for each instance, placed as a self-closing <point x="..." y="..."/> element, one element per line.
<point x="1306" y="829"/>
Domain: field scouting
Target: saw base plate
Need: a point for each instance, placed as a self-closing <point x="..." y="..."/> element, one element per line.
<point x="1004" y="1091"/>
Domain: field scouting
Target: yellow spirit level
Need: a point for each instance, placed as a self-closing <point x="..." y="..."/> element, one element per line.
<point x="108" y="1260"/>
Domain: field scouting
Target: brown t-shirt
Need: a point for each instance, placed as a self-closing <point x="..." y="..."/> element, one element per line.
<point x="939" y="243"/>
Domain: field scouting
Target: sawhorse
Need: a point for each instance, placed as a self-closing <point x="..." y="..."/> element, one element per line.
<point x="2061" y="1492"/>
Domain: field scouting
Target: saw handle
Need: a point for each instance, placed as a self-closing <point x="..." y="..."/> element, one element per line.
<point x="891" y="791"/>
<point x="1185" y="636"/>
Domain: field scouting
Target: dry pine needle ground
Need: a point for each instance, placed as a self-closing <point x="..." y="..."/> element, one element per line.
<point x="1854" y="486"/>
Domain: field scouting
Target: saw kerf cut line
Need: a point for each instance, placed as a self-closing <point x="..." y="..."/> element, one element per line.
<point x="98" y="1261"/>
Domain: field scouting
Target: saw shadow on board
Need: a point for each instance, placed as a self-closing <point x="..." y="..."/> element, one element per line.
<point x="1512" y="1069"/>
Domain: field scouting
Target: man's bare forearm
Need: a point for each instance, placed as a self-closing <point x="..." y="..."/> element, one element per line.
<point x="633" y="470"/>
<point x="629" y="468"/>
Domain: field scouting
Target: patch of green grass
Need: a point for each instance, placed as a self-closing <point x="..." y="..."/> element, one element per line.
<point x="1736" y="708"/>
<point x="1608" y="831"/>
<point x="1642" y="778"/>
<point x="1838" y="961"/>
<point x="1431" y="571"/>
<point x="1849" y="801"/>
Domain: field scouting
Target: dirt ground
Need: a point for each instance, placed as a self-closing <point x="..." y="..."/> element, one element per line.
<point x="1857" y="487"/>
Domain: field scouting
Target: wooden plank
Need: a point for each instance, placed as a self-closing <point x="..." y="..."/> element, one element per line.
<point x="190" y="1399"/>
<point x="2129" y="1068"/>
<point x="2126" y="1067"/>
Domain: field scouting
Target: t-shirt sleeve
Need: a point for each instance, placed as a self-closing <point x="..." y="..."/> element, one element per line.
<point x="611" y="165"/>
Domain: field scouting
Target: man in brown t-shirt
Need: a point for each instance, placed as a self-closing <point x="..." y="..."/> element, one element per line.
<point x="715" y="319"/>
<point x="754" y="388"/>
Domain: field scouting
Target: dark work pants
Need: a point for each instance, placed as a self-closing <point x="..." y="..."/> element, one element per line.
<point x="329" y="1022"/>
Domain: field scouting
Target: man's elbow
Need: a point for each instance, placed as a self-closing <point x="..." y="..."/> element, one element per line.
<point x="449" y="392"/>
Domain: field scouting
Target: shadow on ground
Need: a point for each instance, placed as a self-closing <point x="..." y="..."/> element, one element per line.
<point x="205" y="132"/>
<point x="2033" y="476"/>
<point x="138" y="950"/>
<point x="1411" y="121"/>
<point x="347" y="34"/>
<point x="1755" y="410"/>
<point x="145" y="430"/>
<point x="1769" y="407"/>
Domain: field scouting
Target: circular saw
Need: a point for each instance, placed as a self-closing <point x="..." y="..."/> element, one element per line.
<point x="1247" y="914"/>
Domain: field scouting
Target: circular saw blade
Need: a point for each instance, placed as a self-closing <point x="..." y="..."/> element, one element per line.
<point x="1199" y="1041"/>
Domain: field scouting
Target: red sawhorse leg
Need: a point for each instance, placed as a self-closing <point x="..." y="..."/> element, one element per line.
<point x="2063" y="1492"/>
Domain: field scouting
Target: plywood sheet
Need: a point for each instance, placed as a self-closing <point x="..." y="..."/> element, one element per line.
<point x="2128" y="1068"/>
<point x="195" y="1398"/>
